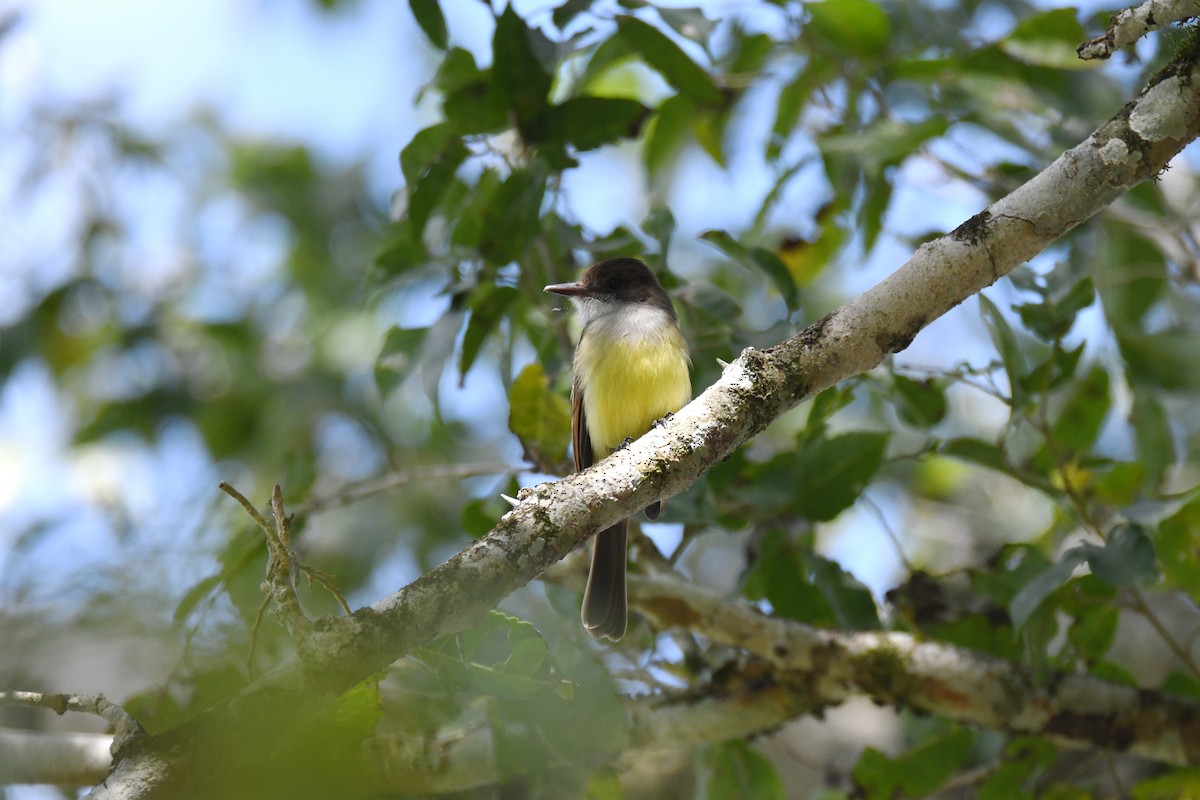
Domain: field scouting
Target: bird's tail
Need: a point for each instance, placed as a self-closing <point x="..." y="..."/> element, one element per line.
<point x="604" y="605"/>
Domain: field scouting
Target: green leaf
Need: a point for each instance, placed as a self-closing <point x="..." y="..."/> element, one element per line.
<point x="660" y="52"/>
<point x="660" y="225"/>
<point x="489" y="304"/>
<point x="587" y="122"/>
<point x="521" y="80"/>
<point x="924" y="769"/>
<point x="885" y="143"/>
<point x="401" y="348"/>
<point x="457" y="70"/>
<point x="824" y="406"/>
<point x="1092" y="632"/>
<point x="858" y="28"/>
<point x="977" y="451"/>
<point x="1035" y="592"/>
<point x="823" y="478"/>
<point x="667" y="132"/>
<point x="852" y="603"/>
<point x="429" y="163"/>
<point x="1056" y="370"/>
<point x="1177" y="542"/>
<point x="739" y="772"/>
<point x="780" y="575"/>
<point x="1125" y="559"/>
<point x="1176" y="784"/>
<point x="921" y="404"/>
<point x="511" y="220"/>
<point x="874" y="775"/>
<point x="1048" y="39"/>
<point x="432" y="21"/>
<point x="1079" y="421"/>
<point x="1168" y="359"/>
<point x="792" y="99"/>
<point x="1053" y="318"/>
<point x="563" y="14"/>
<point x="478" y="107"/>
<point x="1006" y="344"/>
<point x="539" y="417"/>
<point x="193" y="596"/>
<point x="759" y="259"/>
<point x="401" y="255"/>
<point x="1152" y="431"/>
<point x="690" y="23"/>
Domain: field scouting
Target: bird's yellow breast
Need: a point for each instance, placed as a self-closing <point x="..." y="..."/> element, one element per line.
<point x="628" y="382"/>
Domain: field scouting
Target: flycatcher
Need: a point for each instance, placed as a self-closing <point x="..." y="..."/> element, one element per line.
<point x="630" y="370"/>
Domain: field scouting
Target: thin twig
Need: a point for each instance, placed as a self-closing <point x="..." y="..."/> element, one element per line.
<point x="97" y="705"/>
<point x="394" y="480"/>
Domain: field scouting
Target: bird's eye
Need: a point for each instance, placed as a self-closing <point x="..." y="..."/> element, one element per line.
<point x="610" y="285"/>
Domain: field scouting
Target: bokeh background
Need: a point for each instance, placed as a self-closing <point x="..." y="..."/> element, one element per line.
<point x="197" y="203"/>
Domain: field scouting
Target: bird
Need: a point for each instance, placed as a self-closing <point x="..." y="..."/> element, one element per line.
<point x="631" y="368"/>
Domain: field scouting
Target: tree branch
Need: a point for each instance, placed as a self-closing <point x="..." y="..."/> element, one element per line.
<point x="1133" y="23"/>
<point x="758" y="387"/>
<point x="899" y="670"/>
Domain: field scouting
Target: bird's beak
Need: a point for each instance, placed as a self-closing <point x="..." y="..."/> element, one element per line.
<point x="568" y="289"/>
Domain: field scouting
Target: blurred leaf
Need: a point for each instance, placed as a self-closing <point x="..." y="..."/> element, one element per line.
<point x="793" y="98"/>
<point x="858" y="28"/>
<point x="1056" y="370"/>
<point x="1035" y="592"/>
<point x="824" y="477"/>
<point x="1006" y="344"/>
<point x="1168" y="359"/>
<point x="1092" y="633"/>
<point x="1125" y="559"/>
<point x="477" y="107"/>
<point x="667" y="132"/>
<point x="588" y="122"/>
<point x="1048" y="39"/>
<point x="1177" y="541"/>
<point x="563" y="14"/>
<point x="759" y="259"/>
<point x="1177" y="784"/>
<point x="679" y="70"/>
<point x="807" y="260"/>
<point x="502" y="656"/>
<point x="852" y="603"/>
<point x="193" y="596"/>
<point x="824" y="406"/>
<point x="1152" y="431"/>
<point x="739" y="772"/>
<point x="1053" y="317"/>
<point x="489" y="304"/>
<point x="520" y="78"/>
<point x="690" y="23"/>
<point x="511" y="220"/>
<point x="916" y="773"/>
<point x="885" y="143"/>
<point x="429" y="162"/>
<point x="1025" y="757"/>
<point x="752" y="52"/>
<point x="1078" y="422"/>
<point x="539" y="417"/>
<point x="401" y="348"/>
<point x="429" y="16"/>
<point x="457" y="70"/>
<point x="401" y="255"/>
<point x="921" y="404"/>
<point x="660" y="225"/>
